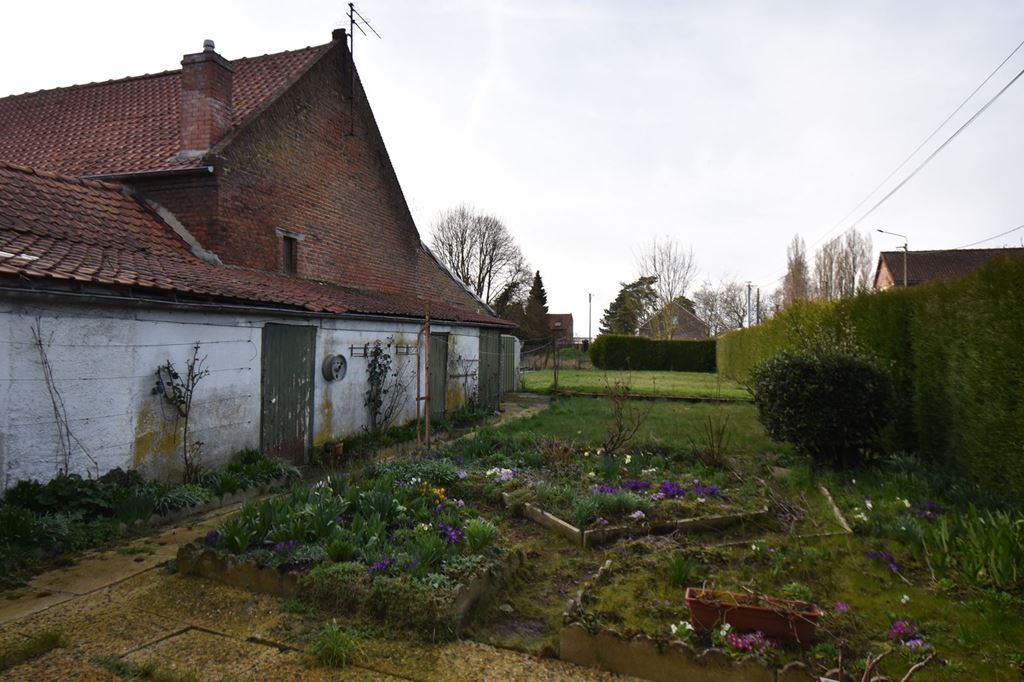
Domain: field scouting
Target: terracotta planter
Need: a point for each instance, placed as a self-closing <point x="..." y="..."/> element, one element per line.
<point x="779" y="619"/>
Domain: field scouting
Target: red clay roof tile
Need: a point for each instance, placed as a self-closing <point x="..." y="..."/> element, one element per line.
<point x="90" y="231"/>
<point x="131" y="124"/>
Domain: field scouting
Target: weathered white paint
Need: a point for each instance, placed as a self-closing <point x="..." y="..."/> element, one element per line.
<point x="104" y="361"/>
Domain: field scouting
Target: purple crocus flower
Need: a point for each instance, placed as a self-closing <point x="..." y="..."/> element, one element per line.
<point x="381" y="566"/>
<point x="605" y="488"/>
<point x="882" y="555"/>
<point x="842" y="606"/>
<point x="636" y="485"/>
<point x="927" y="509"/>
<point x="901" y="631"/>
<point x="671" y="489"/>
<point x="212" y="537"/>
<point x="451" y="534"/>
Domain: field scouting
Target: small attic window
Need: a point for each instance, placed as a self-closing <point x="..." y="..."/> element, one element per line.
<point x="289" y="250"/>
<point x="558" y="323"/>
<point x="289" y="255"/>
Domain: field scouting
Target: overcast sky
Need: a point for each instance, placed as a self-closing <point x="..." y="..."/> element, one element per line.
<point x="590" y="127"/>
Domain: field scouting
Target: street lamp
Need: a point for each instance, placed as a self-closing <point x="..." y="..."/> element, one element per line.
<point x="905" y="241"/>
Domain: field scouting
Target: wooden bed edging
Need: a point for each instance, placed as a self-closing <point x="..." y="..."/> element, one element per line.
<point x="596" y="537"/>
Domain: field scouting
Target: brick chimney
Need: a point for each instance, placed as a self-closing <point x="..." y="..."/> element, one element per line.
<point x="205" y="99"/>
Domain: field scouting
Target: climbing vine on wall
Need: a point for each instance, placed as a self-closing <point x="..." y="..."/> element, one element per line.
<point x="179" y="390"/>
<point x="385" y="391"/>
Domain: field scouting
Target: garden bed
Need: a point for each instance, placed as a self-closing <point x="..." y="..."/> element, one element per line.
<point x="660" y="658"/>
<point x="392" y="546"/>
<point x="44" y="522"/>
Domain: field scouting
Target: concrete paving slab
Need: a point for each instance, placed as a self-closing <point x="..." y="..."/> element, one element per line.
<point x="210" y="604"/>
<point x="208" y="655"/>
<point x="292" y="665"/>
<point x="65" y="665"/>
<point x="25" y="601"/>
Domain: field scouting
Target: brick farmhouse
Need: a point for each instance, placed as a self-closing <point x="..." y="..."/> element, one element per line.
<point x="247" y="206"/>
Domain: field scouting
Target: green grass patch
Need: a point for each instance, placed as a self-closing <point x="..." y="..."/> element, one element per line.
<point x="32" y="647"/>
<point x="671" y="426"/>
<point x="149" y="670"/>
<point x="335" y="646"/>
<point x="672" y="384"/>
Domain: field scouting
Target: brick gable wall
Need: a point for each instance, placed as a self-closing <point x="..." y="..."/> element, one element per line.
<point x="295" y="168"/>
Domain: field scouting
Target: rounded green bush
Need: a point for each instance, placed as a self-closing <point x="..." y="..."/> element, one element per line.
<point x="831" y="405"/>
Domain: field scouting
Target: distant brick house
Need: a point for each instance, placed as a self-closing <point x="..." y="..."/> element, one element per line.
<point x="560" y="325"/>
<point x="684" y="323"/>
<point x="249" y="206"/>
<point x="924" y="266"/>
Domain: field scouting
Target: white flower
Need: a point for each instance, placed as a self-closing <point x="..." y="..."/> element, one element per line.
<point x="686" y="625"/>
<point x="861" y="516"/>
<point x="638" y="515"/>
<point x="592" y="474"/>
<point x="701" y="499"/>
<point x="755" y="548"/>
<point x="629" y="458"/>
<point x="906" y="503"/>
<point x="854" y="481"/>
<point x="867" y="503"/>
<point x="725" y="629"/>
<point x="673" y="628"/>
<point x="904" y="599"/>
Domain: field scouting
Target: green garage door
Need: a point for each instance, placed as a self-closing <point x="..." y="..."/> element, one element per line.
<point x="286" y="387"/>
<point x="438" y="373"/>
<point x="490" y="368"/>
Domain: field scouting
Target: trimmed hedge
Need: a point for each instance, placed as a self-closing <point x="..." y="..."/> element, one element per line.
<point x="955" y="350"/>
<point x="611" y="351"/>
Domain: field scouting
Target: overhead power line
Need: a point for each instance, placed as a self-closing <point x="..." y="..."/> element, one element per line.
<point x="928" y="159"/>
<point x="988" y="239"/>
<point x="938" y="149"/>
<point x="919" y="147"/>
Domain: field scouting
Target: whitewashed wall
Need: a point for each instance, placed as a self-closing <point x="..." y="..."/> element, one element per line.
<point x="104" y="359"/>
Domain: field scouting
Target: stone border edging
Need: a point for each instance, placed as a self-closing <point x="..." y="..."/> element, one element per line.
<point x="596" y="537"/>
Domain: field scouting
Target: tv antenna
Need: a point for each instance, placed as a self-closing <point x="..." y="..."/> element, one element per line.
<point x="355" y="20"/>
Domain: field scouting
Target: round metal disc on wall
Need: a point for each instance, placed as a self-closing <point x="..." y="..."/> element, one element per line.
<point x="334" y="367"/>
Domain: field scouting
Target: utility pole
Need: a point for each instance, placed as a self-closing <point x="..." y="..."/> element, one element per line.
<point x="590" y="309"/>
<point x="749" y="318"/>
<point x="906" y="241"/>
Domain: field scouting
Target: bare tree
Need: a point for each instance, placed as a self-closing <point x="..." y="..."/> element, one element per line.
<point x="478" y="248"/>
<point x="796" y="286"/>
<point x="722" y="307"/>
<point x="842" y="266"/>
<point x="674" y="267"/>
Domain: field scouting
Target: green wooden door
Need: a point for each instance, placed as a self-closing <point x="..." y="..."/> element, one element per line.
<point x="490" y="368"/>
<point x="508" y="364"/>
<point x="286" y="387"/>
<point x="438" y="373"/>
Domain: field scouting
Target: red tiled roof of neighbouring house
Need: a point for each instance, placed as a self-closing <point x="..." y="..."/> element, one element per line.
<point x="132" y="124"/>
<point x="924" y="266"/>
<point x="61" y="229"/>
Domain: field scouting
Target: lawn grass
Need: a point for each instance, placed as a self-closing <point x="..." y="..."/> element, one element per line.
<point x="671" y="426"/>
<point x="671" y="384"/>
